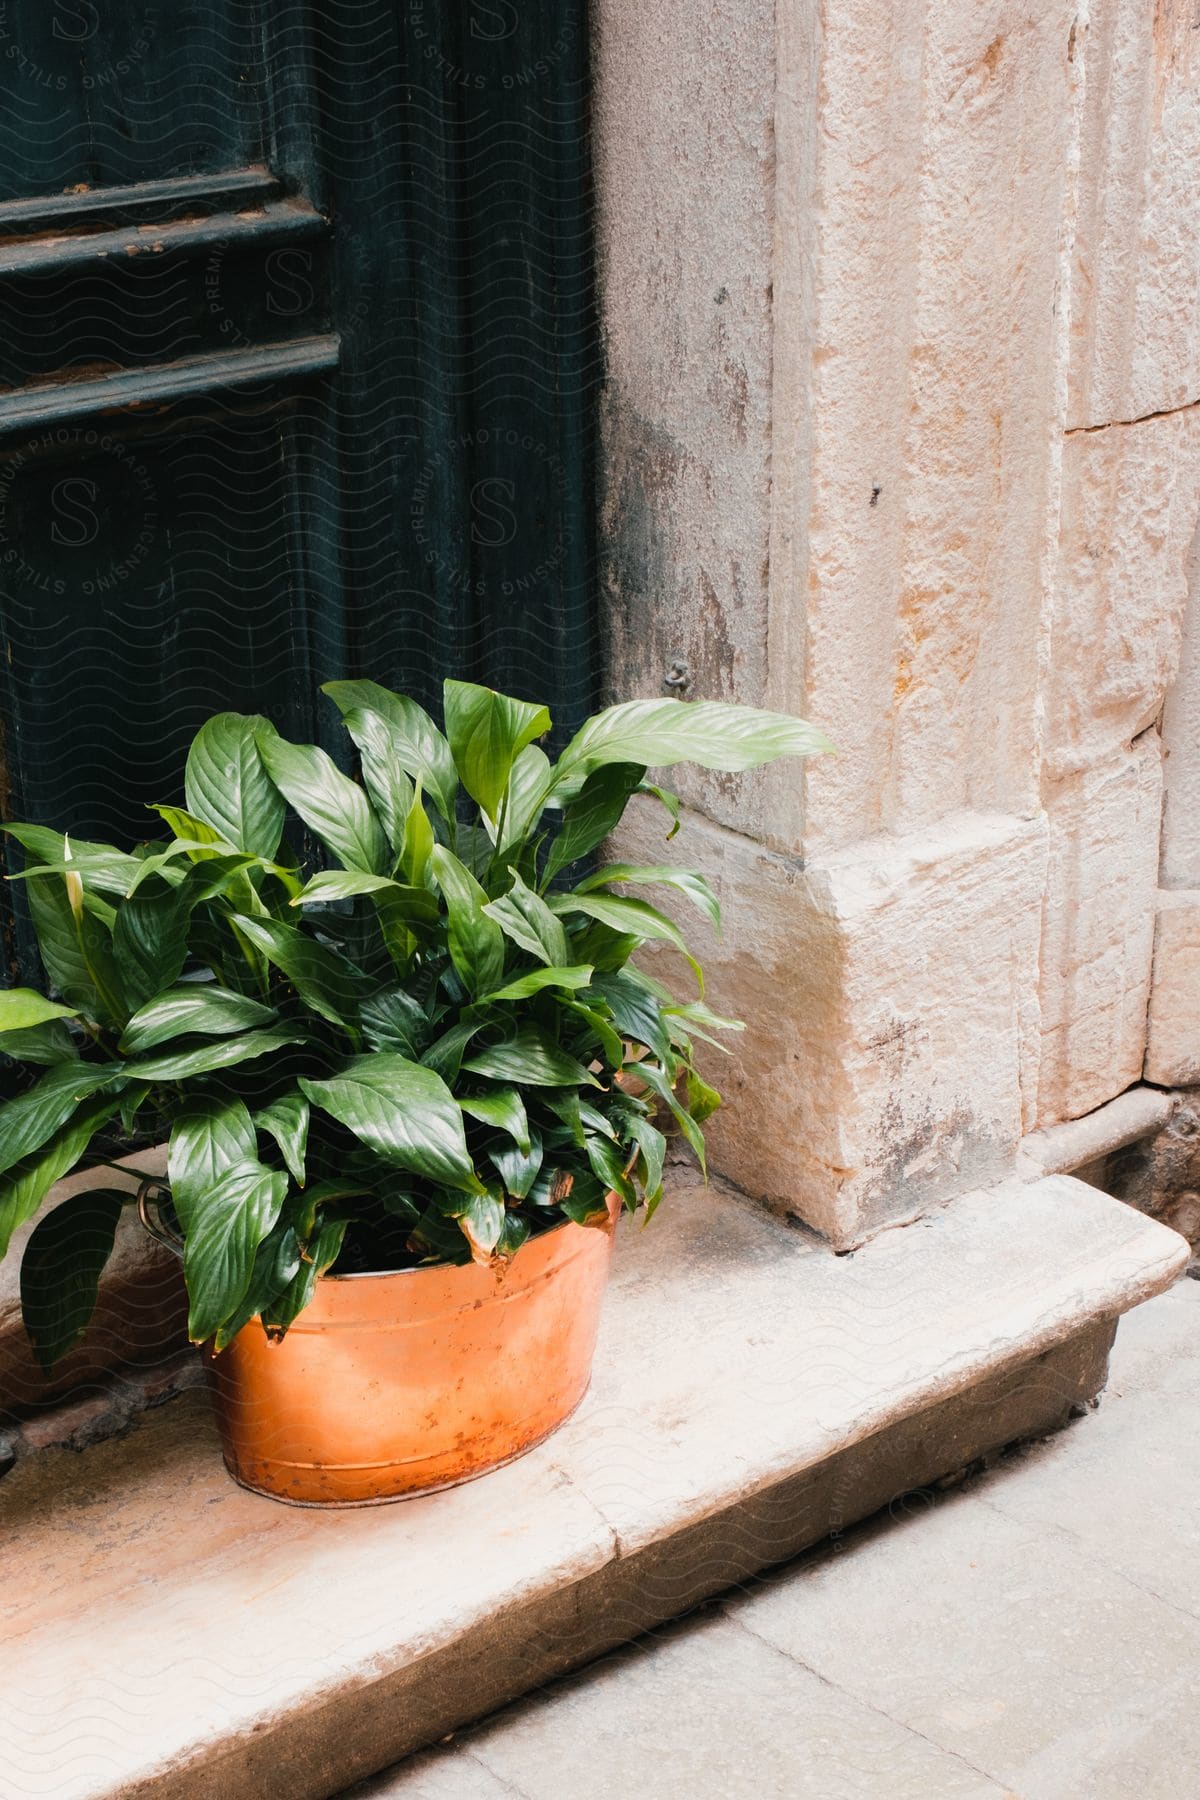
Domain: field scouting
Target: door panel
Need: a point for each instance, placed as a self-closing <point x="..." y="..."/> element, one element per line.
<point x="296" y="371"/>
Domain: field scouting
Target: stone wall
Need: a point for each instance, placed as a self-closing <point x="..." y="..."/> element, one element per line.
<point x="902" y="317"/>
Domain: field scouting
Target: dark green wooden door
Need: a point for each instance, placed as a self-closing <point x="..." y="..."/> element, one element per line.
<point x="296" y="353"/>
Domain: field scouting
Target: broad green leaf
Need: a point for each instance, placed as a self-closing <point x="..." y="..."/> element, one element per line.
<point x="24" y="1187"/>
<point x="383" y="776"/>
<point x="58" y="940"/>
<point x="61" y="1269"/>
<point x="208" y="1138"/>
<point x="331" y="805"/>
<point x="524" y="916"/>
<point x="320" y="1256"/>
<point x="503" y="1108"/>
<point x="635" y="1010"/>
<point x="228" y="787"/>
<point x="565" y="1105"/>
<point x="636" y="917"/>
<point x="393" y="1020"/>
<point x="229" y="1222"/>
<point x="653" y="1147"/>
<point x="192" y="1007"/>
<point x="31" y="1119"/>
<point x="476" y="941"/>
<point x="529" y="784"/>
<point x="46" y="1044"/>
<point x="487" y="731"/>
<point x="480" y="1218"/>
<point x="595" y="811"/>
<point x="526" y="986"/>
<point x="703" y="1100"/>
<point x="414" y="903"/>
<point x="657" y="733"/>
<point x="417" y="850"/>
<point x="518" y="1169"/>
<point x="226" y="1054"/>
<point x="530" y="1058"/>
<point x="403" y="1112"/>
<point x="609" y="1039"/>
<point x="445" y="1055"/>
<point x="586" y="1200"/>
<point x="515" y="1232"/>
<point x="417" y="744"/>
<point x="694" y="886"/>
<point x="656" y="1079"/>
<point x="276" y="1264"/>
<point x="669" y="802"/>
<point x="101" y="866"/>
<point x="286" y="1122"/>
<point x="324" y="979"/>
<point x="150" y="941"/>
<point x="21" y="1008"/>
<point x="608" y="1166"/>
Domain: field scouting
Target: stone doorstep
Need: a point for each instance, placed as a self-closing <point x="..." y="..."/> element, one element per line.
<point x="168" y="1634"/>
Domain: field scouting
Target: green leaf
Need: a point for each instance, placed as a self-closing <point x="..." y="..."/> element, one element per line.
<point x="658" y="1082"/>
<point x="608" y="1165"/>
<point x="321" y="1255"/>
<point x="101" y="866"/>
<point x="515" y="1232"/>
<point x="578" y="976"/>
<point x="524" y="916"/>
<point x="228" y="787"/>
<point x="58" y="940"/>
<point x="286" y="1122"/>
<point x="475" y="939"/>
<point x="414" y="903"/>
<point x="487" y="731"/>
<point x="694" y="886"/>
<point x="21" y="1008"/>
<point x="609" y="1039"/>
<point x="24" y="1188"/>
<point x="200" y="837"/>
<point x="208" y="1138"/>
<point x="403" y="1112"/>
<point x="417" y="851"/>
<point x="177" y="1066"/>
<point x="192" y="1007"/>
<point x="703" y="1100"/>
<point x="393" y="1020"/>
<point x="518" y="1169"/>
<point x="229" y="1222"/>
<point x="324" y="979"/>
<point x="587" y="1199"/>
<point x="530" y="1058"/>
<point x="417" y="744"/>
<point x="150" y="941"/>
<point x="276" y="1264"/>
<point x="657" y="733"/>
<point x="31" y="1119"/>
<point x="480" y="1218"/>
<point x="61" y="1269"/>
<point x="445" y="1056"/>
<point x="595" y="811"/>
<point x="636" y="917"/>
<point x="653" y="1146"/>
<point x="529" y="784"/>
<point x="331" y="805"/>
<point x="636" y="1011"/>
<point x="390" y="789"/>
<point x="47" y="1044"/>
<point x="505" y="1109"/>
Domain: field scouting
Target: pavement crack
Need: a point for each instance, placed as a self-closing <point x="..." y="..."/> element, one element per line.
<point x="1166" y="412"/>
<point x="873" y="1706"/>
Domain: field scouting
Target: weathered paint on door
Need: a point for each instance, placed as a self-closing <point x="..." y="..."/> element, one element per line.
<point x="296" y="354"/>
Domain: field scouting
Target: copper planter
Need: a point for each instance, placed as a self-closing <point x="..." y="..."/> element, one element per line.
<point x="393" y="1385"/>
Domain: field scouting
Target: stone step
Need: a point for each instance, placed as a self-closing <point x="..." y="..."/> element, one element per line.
<point x="168" y="1634"/>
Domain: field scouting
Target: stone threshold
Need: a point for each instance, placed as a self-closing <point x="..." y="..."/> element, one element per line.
<point x="168" y="1634"/>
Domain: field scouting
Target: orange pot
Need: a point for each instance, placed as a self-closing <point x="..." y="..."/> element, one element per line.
<point x="393" y="1385"/>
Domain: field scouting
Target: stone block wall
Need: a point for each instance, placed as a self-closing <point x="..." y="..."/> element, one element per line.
<point x="902" y="433"/>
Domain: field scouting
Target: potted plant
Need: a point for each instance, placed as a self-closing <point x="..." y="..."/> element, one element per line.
<point x="405" y="1093"/>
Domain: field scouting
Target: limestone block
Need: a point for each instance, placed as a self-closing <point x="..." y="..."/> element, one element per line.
<point x="1135" y="280"/>
<point x="1098" y="930"/>
<point x="1173" y="1022"/>
<point x="1130" y="506"/>
<point x="1181" y="748"/>
<point x="890" y="997"/>
<point x="684" y="160"/>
